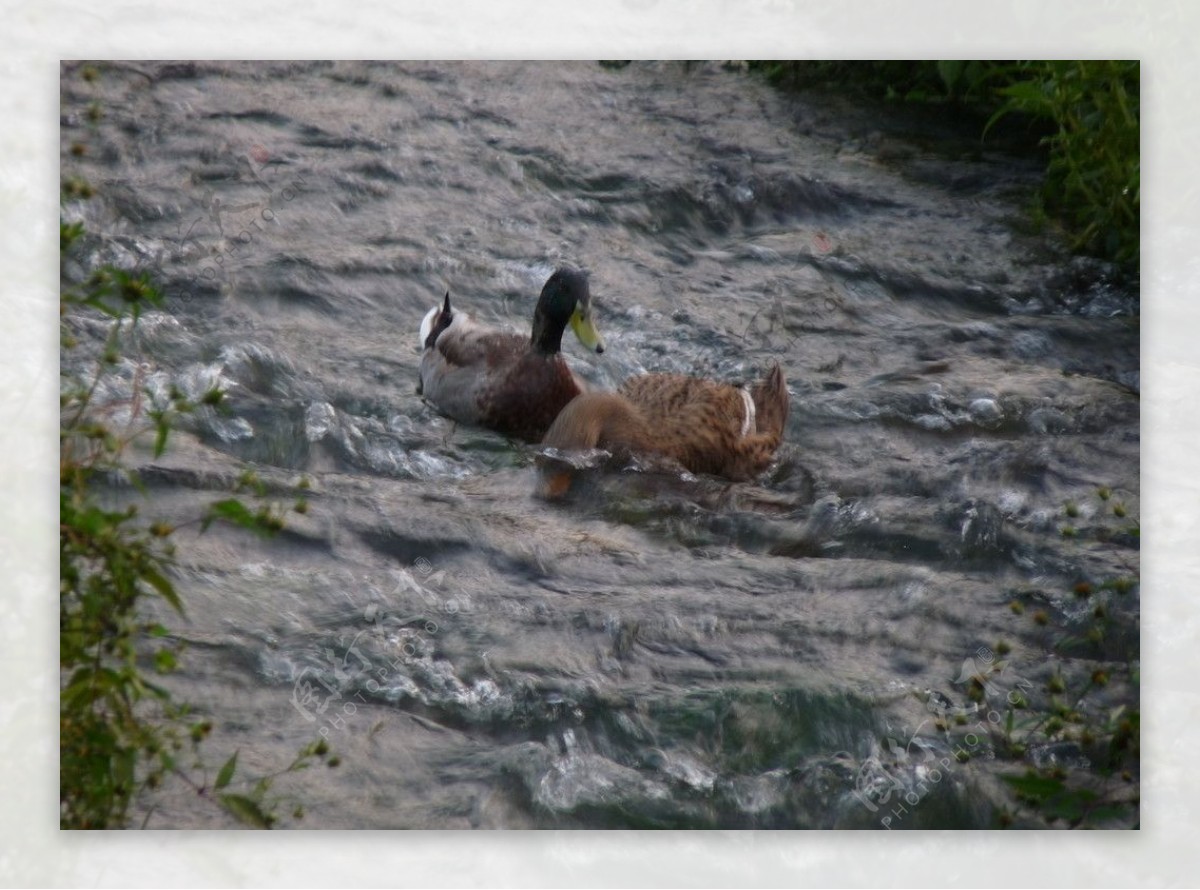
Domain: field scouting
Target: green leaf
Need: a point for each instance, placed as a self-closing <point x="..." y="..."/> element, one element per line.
<point x="99" y="304"/>
<point x="156" y="690"/>
<point x="165" y="661"/>
<point x="950" y="71"/>
<point x="245" y="810"/>
<point x="233" y="511"/>
<point x="68" y="233"/>
<point x="1028" y="96"/>
<point x="163" y="586"/>
<point x="1071" y="805"/>
<point x="226" y="774"/>
<point x="1034" y="786"/>
<point x="160" y="438"/>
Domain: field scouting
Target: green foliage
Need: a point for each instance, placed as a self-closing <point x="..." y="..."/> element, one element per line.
<point x="255" y="807"/>
<point x="233" y="511"/>
<point x="1107" y="738"/>
<point x="1055" y="800"/>
<point x="1089" y="782"/>
<point x="1090" y="109"/>
<point x="120" y="732"/>
<point x="1093" y="179"/>
<point x="108" y="562"/>
<point x="944" y="81"/>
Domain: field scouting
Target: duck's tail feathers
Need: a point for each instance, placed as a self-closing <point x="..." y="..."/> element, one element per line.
<point x="771" y="403"/>
<point x="435" y="321"/>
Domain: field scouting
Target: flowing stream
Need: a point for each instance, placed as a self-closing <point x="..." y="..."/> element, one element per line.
<point x="659" y="650"/>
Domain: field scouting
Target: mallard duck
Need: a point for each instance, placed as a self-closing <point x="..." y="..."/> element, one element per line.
<point x="704" y="425"/>
<point x="515" y="385"/>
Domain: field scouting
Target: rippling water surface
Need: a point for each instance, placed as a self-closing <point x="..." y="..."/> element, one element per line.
<point x="659" y="651"/>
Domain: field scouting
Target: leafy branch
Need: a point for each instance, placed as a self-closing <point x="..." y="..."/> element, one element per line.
<point x="121" y="733"/>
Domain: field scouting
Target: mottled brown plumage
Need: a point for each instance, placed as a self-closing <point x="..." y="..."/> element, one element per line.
<point x="706" y="426"/>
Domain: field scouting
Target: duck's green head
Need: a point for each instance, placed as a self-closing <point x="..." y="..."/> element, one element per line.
<point x="565" y="300"/>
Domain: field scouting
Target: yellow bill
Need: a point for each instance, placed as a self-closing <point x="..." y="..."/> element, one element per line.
<point x="585" y="330"/>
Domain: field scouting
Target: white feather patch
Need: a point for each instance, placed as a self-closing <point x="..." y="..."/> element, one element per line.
<point x="427" y="326"/>
<point x="748" y="420"/>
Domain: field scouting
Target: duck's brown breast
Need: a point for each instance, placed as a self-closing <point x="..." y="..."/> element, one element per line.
<point x="526" y="400"/>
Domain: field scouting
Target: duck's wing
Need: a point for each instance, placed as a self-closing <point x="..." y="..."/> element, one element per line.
<point x="712" y="427"/>
<point x="659" y="396"/>
<point x="697" y="422"/>
<point x="463" y="363"/>
<point x="467" y="343"/>
<point x="683" y="405"/>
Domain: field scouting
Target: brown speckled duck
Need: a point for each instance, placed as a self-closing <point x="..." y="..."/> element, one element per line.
<point x="514" y="385"/>
<point x="704" y="425"/>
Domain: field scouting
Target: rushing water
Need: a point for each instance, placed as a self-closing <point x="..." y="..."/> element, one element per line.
<point x="660" y="650"/>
